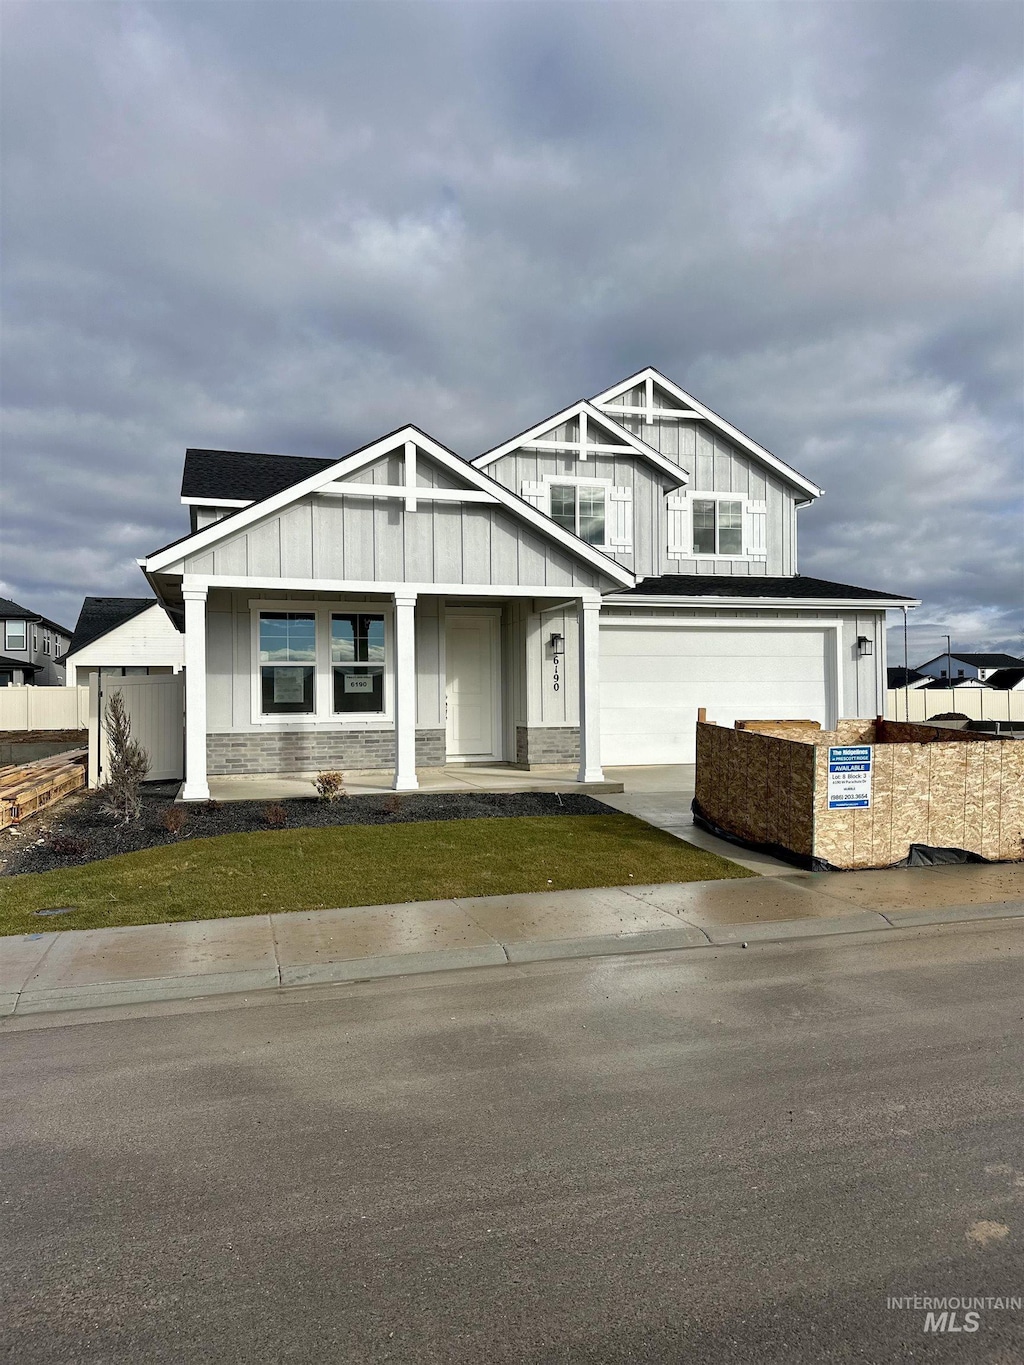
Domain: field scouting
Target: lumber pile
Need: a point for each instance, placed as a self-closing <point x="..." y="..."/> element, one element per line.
<point x="26" y="788"/>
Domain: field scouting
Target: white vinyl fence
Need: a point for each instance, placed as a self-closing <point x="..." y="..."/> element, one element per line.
<point x="156" y="709"/>
<point x="44" y="708"/>
<point x="978" y="703"/>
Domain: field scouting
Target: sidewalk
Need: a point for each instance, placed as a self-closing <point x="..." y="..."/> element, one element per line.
<point x="88" y="968"/>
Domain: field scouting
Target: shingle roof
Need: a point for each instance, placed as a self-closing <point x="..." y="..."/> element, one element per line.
<point x="989" y="660"/>
<point x="10" y="611"/>
<point x="743" y="586"/>
<point x="100" y="615"/>
<point x="1005" y="679"/>
<point x="903" y="677"/>
<point x="5" y="662"/>
<point x="237" y="475"/>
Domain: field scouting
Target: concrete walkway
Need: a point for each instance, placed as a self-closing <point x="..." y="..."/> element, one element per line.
<point x="78" y="969"/>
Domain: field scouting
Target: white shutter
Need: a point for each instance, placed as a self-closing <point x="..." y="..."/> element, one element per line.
<point x="536" y="493"/>
<point x="755" y="528"/>
<point x="680" y="535"/>
<point x="620" y="519"/>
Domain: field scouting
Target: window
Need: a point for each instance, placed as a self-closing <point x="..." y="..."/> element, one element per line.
<point x="6" y="678"/>
<point x="580" y="508"/>
<point x="287" y="663"/>
<point x="16" y="635"/>
<point x="357" y="662"/>
<point x="46" y="642"/>
<point x="717" y="527"/>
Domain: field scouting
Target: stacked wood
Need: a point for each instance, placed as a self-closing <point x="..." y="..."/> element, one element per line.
<point x="26" y="788"/>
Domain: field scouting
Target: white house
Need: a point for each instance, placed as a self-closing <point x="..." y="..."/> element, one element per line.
<point x="958" y="668"/>
<point x="130" y="636"/>
<point x="571" y="596"/>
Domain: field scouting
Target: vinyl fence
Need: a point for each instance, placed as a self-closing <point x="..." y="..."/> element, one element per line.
<point x="978" y="703"/>
<point x="44" y="708"/>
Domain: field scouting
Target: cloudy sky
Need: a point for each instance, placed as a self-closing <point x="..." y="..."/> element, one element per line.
<point x="294" y="226"/>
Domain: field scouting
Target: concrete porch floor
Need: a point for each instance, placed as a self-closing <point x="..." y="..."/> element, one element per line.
<point x="455" y="777"/>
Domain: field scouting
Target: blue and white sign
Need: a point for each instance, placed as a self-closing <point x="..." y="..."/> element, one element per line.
<point x="849" y="777"/>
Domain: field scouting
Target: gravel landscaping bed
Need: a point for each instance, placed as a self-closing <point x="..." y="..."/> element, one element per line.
<point x="80" y="832"/>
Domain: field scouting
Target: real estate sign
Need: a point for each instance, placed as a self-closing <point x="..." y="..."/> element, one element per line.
<point x="849" y="776"/>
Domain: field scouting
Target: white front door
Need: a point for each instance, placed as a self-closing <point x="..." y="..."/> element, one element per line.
<point x="473" y="692"/>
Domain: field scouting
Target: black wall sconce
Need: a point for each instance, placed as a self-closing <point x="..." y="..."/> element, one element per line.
<point x="865" y="648"/>
<point x="557" y="643"/>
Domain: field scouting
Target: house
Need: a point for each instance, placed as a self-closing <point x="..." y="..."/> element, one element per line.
<point x="30" y="647"/>
<point x="905" y="677"/>
<point x="571" y="596"/>
<point x="967" y="667"/>
<point x="126" y="636"/>
<point x="1007" y="679"/>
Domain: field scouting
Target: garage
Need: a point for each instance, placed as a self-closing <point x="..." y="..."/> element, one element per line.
<point x="656" y="673"/>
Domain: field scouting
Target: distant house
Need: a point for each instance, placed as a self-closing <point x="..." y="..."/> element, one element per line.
<point x="129" y="636"/>
<point x="905" y="677"/>
<point x="1007" y="679"/>
<point x="956" y="668"/>
<point x="30" y="647"/>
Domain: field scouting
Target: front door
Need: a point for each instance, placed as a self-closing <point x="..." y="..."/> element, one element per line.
<point x="473" y="691"/>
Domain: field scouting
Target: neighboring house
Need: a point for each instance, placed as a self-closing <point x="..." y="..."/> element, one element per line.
<point x="906" y="677"/>
<point x="30" y="647"/>
<point x="955" y="667"/>
<point x="571" y="596"/>
<point x="1007" y="679"/>
<point x="129" y="636"/>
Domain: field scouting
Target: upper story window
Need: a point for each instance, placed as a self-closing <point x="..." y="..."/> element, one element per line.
<point x="357" y="661"/>
<point x="46" y="642"/>
<point x="717" y="527"/>
<point x="581" y="507"/>
<point x="15" y="635"/>
<point x="287" y="663"/>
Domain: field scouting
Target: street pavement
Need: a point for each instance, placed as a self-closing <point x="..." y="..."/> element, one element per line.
<point x="719" y="1156"/>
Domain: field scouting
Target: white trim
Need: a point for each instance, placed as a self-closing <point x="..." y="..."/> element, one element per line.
<point x="397" y="490"/>
<point x="175" y="555"/>
<point x="656" y="414"/>
<point x="196" y="787"/>
<point x="217" y="502"/>
<point x="405" y="689"/>
<point x="582" y="481"/>
<point x="760" y="603"/>
<point x="584" y="410"/>
<point x="388" y="588"/>
<point x="747" y="555"/>
<point x="712" y="418"/>
<point x="588" y="621"/>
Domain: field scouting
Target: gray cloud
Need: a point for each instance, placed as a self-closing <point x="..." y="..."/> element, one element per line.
<point x="291" y="227"/>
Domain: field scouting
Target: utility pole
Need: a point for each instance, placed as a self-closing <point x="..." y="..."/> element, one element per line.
<point x="949" y="663"/>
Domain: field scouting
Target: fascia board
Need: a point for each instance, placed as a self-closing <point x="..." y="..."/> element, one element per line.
<point x="220" y="530"/>
<point x="634" y="444"/>
<point x="216" y="502"/>
<point x="763" y="603"/>
<point x="713" y="419"/>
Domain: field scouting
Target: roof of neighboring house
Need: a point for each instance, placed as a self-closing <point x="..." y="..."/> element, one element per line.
<point x="10" y="611"/>
<point x="238" y="475"/>
<point x="979" y="660"/>
<point x="904" y="677"/>
<point x="6" y="663"/>
<point x="942" y="684"/>
<point x="1005" y="679"/>
<point x="736" y="585"/>
<point x="100" y="615"/>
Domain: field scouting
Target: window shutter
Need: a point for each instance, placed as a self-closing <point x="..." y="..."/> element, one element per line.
<point x="680" y="536"/>
<point x="535" y="493"/>
<point x="620" y="519"/>
<point x="755" y="528"/>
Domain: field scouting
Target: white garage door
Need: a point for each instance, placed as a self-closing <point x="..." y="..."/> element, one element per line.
<point x="654" y="677"/>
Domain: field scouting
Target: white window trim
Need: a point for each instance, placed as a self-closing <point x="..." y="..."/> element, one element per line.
<point x="698" y="495"/>
<point x="322" y="716"/>
<point x="582" y="481"/>
<point x="7" y="635"/>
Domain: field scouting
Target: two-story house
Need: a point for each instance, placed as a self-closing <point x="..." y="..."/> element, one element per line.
<point x="954" y="670"/>
<point x="30" y="647"/>
<point x="571" y="596"/>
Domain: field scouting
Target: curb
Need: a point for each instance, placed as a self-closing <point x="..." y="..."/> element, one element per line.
<point x="682" y="938"/>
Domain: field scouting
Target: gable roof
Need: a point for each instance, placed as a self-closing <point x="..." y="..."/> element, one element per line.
<point x="100" y="615"/>
<point x="798" y="588"/>
<point x="237" y="477"/>
<point x="624" y="439"/>
<point x="904" y="677"/>
<point x="978" y="660"/>
<point x="1006" y="679"/>
<point x="11" y="611"/>
<point x="693" y="405"/>
<point x="198" y="541"/>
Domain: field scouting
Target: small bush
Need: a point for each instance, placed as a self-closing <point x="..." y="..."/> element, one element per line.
<point x="393" y="804"/>
<point x="213" y="805"/>
<point x="128" y="765"/>
<point x="329" y="785"/>
<point x="275" y="815"/>
<point x="65" y="846"/>
<point x="174" y="818"/>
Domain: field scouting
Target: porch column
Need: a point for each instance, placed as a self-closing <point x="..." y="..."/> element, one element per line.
<point x="195" y="788"/>
<point x="405" y="692"/>
<point x="588" y="615"/>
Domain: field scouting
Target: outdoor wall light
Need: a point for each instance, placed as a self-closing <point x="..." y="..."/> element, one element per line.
<point x="557" y="643"/>
<point x="865" y="648"/>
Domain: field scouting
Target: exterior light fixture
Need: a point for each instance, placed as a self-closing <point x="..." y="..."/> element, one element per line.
<point x="865" y="648"/>
<point x="557" y="643"/>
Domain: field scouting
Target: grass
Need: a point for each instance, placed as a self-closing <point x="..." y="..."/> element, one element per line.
<point x="309" y="869"/>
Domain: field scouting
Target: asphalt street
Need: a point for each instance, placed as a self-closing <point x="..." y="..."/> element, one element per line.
<point x="721" y="1155"/>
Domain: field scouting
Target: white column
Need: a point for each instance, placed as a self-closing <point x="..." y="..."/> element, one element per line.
<point x="405" y="692"/>
<point x="196" y="787"/>
<point x="588" y="616"/>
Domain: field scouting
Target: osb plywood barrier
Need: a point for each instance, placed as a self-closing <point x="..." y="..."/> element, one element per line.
<point x="929" y="786"/>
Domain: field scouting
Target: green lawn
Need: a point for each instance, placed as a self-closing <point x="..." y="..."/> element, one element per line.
<point x="309" y="869"/>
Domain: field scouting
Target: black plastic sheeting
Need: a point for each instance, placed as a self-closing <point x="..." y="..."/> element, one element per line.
<point x="920" y="855"/>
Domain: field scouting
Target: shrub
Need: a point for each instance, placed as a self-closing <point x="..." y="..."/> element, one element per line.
<point x="128" y="765"/>
<point x="174" y="818"/>
<point x="65" y="846"/>
<point x="393" y="804"/>
<point x="275" y="815"/>
<point x="329" y="785"/>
